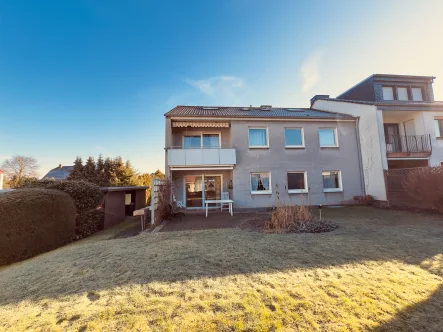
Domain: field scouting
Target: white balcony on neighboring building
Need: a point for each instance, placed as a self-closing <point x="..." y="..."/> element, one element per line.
<point x="201" y="157"/>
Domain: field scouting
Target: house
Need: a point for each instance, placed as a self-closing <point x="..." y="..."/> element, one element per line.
<point x="59" y="173"/>
<point x="399" y="124"/>
<point x="262" y="155"/>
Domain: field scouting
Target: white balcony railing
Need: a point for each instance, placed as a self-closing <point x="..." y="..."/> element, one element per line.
<point x="201" y="156"/>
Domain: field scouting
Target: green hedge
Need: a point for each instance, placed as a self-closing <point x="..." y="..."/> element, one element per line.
<point x="34" y="221"/>
<point x="87" y="198"/>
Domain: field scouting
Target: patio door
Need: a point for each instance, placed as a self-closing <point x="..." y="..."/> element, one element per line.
<point x="199" y="188"/>
<point x="212" y="188"/>
<point x="194" y="191"/>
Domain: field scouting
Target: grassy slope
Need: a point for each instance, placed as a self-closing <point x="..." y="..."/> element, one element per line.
<point x="381" y="270"/>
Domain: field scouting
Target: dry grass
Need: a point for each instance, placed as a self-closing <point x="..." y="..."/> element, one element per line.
<point x="286" y="215"/>
<point x="380" y="270"/>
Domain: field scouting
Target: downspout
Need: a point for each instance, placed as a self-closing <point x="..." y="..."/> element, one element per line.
<point x="360" y="162"/>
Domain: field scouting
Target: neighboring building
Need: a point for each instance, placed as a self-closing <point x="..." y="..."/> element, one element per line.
<point x="262" y="155"/>
<point x="59" y="173"/>
<point x="400" y="125"/>
<point x="2" y="179"/>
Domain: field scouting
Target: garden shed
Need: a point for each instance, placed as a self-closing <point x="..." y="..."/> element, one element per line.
<point x="120" y="202"/>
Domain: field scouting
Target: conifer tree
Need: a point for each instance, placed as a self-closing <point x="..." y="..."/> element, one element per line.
<point x="77" y="171"/>
<point x="100" y="172"/>
<point x="108" y="173"/>
<point x="89" y="170"/>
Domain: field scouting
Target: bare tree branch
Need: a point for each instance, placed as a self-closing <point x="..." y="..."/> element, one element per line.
<point x="20" y="167"/>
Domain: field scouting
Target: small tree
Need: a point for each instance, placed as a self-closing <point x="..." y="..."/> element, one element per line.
<point x="19" y="168"/>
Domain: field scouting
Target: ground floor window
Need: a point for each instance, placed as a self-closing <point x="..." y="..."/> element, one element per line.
<point x="332" y="181"/>
<point x="297" y="182"/>
<point x="261" y="183"/>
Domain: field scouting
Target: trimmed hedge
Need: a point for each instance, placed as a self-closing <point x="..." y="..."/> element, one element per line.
<point x="33" y="221"/>
<point x="87" y="198"/>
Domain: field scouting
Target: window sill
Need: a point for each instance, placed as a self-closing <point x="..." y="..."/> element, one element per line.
<point x="261" y="192"/>
<point x="440" y="138"/>
<point x="294" y="147"/>
<point x="259" y="147"/>
<point x="332" y="190"/>
<point x="329" y="147"/>
<point x="297" y="191"/>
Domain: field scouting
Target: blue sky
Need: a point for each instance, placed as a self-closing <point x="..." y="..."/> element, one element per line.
<point x="90" y="77"/>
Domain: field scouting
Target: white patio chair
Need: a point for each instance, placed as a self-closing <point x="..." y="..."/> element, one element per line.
<point x="178" y="203"/>
<point x="224" y="195"/>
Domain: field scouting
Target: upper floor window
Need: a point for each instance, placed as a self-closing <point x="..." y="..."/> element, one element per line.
<point x="328" y="137"/>
<point x="192" y="141"/>
<point x="388" y="93"/>
<point x="294" y="138"/>
<point x="258" y="138"/>
<point x="211" y="140"/>
<point x="438" y="127"/>
<point x="417" y="94"/>
<point x="203" y="140"/>
<point x="402" y="94"/>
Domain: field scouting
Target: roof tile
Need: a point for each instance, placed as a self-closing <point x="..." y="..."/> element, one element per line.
<point x="253" y="112"/>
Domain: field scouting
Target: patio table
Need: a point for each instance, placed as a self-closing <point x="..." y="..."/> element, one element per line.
<point x="221" y="201"/>
<point x="141" y="213"/>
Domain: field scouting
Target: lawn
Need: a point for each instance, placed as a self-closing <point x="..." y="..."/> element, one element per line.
<point x="381" y="270"/>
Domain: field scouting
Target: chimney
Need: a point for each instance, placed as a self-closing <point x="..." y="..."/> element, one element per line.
<point x="1" y="179"/>
<point x="317" y="97"/>
<point x="60" y="165"/>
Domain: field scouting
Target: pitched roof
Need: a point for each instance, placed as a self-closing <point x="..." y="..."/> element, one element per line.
<point x="253" y="112"/>
<point x="394" y="104"/>
<point x="59" y="173"/>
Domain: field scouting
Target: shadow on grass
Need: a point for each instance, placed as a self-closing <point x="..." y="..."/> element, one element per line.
<point x="423" y="316"/>
<point x="365" y="234"/>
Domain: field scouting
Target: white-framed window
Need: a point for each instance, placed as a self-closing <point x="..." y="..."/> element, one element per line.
<point x="328" y="137"/>
<point x="294" y="138"/>
<point x="416" y="94"/>
<point x="261" y="183"/>
<point x="258" y="138"/>
<point x="388" y="93"/>
<point x="438" y="127"/>
<point x="402" y="93"/>
<point x="297" y="182"/>
<point x="332" y="181"/>
<point x="202" y="140"/>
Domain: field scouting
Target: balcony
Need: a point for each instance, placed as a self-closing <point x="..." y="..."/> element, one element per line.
<point x="197" y="157"/>
<point x="398" y="146"/>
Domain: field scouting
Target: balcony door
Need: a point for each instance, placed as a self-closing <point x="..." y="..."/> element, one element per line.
<point x="199" y="188"/>
<point x="392" y="137"/>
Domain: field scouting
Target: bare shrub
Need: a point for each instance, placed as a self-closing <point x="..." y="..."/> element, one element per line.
<point x="286" y="215"/>
<point x="363" y="199"/>
<point x="426" y="186"/>
<point x="162" y="210"/>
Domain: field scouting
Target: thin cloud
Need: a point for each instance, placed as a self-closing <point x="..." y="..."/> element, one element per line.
<point x="221" y="88"/>
<point x="310" y="71"/>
